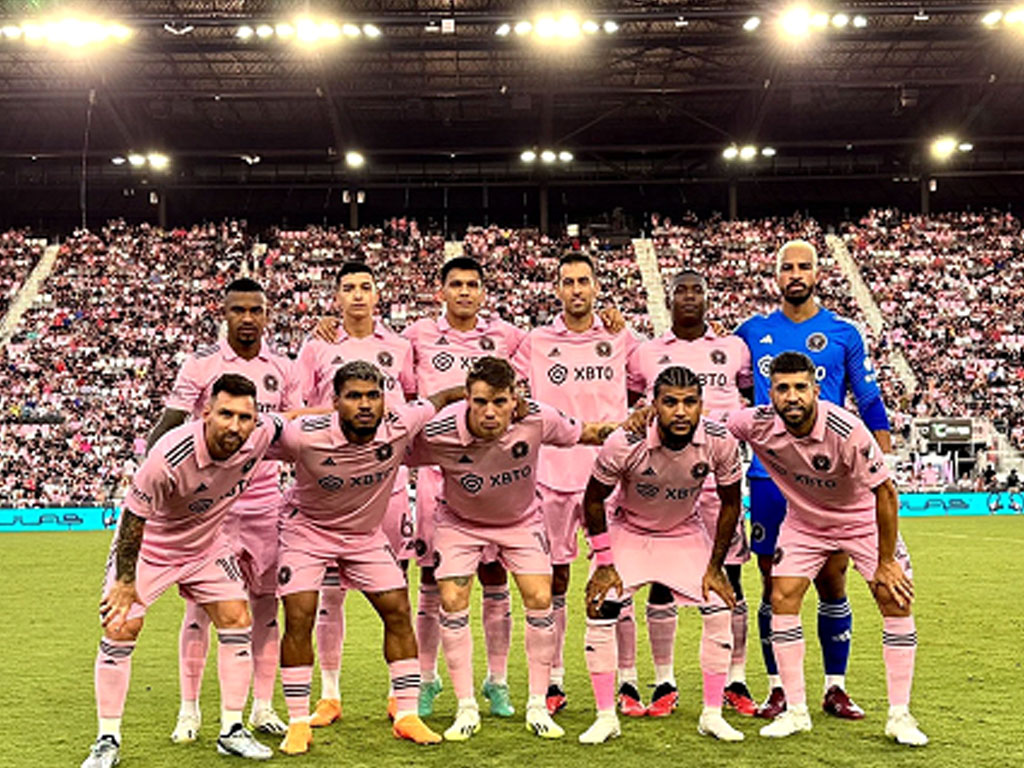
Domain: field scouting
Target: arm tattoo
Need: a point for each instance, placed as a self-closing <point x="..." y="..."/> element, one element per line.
<point x="129" y="541"/>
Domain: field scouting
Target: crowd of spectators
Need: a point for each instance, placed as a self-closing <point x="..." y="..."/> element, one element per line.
<point x="19" y="253"/>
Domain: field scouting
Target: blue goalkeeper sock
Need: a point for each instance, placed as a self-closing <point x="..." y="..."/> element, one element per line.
<point x="835" y="628"/>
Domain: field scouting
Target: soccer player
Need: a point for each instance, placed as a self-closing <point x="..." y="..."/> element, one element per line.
<point x="837" y="348"/>
<point x="345" y="466"/>
<point x="360" y="336"/>
<point x="722" y="366"/>
<point x="656" y="533"/>
<point x="842" y="505"/>
<point x="490" y="464"/>
<point x="252" y="522"/>
<point x="171" y="531"/>
<point x="444" y="348"/>
<point x="578" y="365"/>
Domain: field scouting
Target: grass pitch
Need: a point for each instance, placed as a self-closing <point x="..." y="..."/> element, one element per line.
<point x="970" y="620"/>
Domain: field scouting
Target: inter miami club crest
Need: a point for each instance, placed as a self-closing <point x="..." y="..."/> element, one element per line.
<point x="487" y="344"/>
<point x="248" y="465"/>
<point x="420" y="547"/>
<point x="284" y="575"/>
<point x="520" y="449"/>
<point x="385" y="358"/>
<point x="384" y="452"/>
<point x="558" y="374"/>
<point x="330" y="482"/>
<point x="821" y="462"/>
<point x="603" y="349"/>
<point x="757" y="532"/>
<point x="700" y="470"/>
<point x="442" y="361"/>
<point x="270" y="383"/>
<point x="718" y="357"/>
<point x="472" y="483"/>
<point x="817" y="342"/>
<point x="199" y="506"/>
<point x="778" y="556"/>
<point x="647" y="490"/>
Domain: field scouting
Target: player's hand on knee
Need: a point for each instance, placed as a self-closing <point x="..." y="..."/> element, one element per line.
<point x="116" y="603"/>
<point x="716" y="581"/>
<point x="891" y="575"/>
<point x="604" y="580"/>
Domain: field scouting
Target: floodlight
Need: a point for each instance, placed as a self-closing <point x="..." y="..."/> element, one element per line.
<point x="752" y="23"/>
<point x="768" y="152"/>
<point x="965" y="146"/>
<point x="503" y="30"/>
<point x="840" y="20"/>
<point x="860" y="22"/>
<point x="244" y="33"/>
<point x="795" y="22"/>
<point x="354" y="159"/>
<point x="351" y="30"/>
<point x="548" y="156"/>
<point x="611" y="27"/>
<point x="528" y="156"/>
<point x="730" y="153"/>
<point x="523" y="28"/>
<point x="992" y="18"/>
<point x="158" y="161"/>
<point x="136" y="160"/>
<point x="591" y="27"/>
<point x="284" y="30"/>
<point x="565" y="156"/>
<point x="943" y="147"/>
<point x="748" y="152"/>
<point x="118" y="160"/>
<point x="372" y="31"/>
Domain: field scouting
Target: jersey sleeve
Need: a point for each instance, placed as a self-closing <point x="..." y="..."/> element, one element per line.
<point x="415" y="414"/>
<point x="610" y="464"/>
<point x="515" y="337"/>
<point x="559" y="429"/>
<point x="150" y="487"/>
<point x="728" y="465"/>
<point x="286" y="443"/>
<point x="419" y="452"/>
<point x="291" y="395"/>
<point x="411" y="334"/>
<point x="860" y="373"/>
<point x="635" y="379"/>
<point x="521" y="359"/>
<point x="741" y="423"/>
<point x="407" y="375"/>
<point x="305" y="370"/>
<point x="865" y="458"/>
<point x="745" y="374"/>
<point x="187" y="392"/>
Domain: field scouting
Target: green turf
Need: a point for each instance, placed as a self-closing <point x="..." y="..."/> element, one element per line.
<point x="970" y="618"/>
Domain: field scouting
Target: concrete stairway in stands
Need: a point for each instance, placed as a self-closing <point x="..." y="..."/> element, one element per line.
<point x="28" y="293"/>
<point x="650" y="273"/>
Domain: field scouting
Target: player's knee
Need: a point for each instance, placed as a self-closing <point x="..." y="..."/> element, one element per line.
<point x="887" y="604"/>
<point x="233" y="615"/>
<point x="126" y="633"/>
<point x="537" y="597"/>
<point x="660" y="595"/>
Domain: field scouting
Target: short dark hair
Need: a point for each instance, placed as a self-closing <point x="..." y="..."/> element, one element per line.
<point x="685" y="273"/>
<point x="575" y="257"/>
<point x="243" y="285"/>
<point x="359" y="370"/>
<point x="791" y="362"/>
<point x="234" y="384"/>
<point x="354" y="268"/>
<point x="493" y="371"/>
<point x="677" y="376"/>
<point x="462" y="262"/>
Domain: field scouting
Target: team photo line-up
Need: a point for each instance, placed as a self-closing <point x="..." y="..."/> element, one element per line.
<point x="518" y="441"/>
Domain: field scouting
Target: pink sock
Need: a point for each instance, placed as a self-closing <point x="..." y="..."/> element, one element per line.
<point x="296" y="683"/>
<point x="112" y="672"/>
<point x="558" y="610"/>
<point x="788" y="644"/>
<point x="266" y="650"/>
<point x="540" y="648"/>
<point x="899" y="646"/>
<point x="715" y="651"/>
<point x="234" y="666"/>
<point x="428" y="629"/>
<point x="330" y="628"/>
<point x="625" y="635"/>
<point x="497" y="615"/>
<point x="661" y="629"/>
<point x="193" y="648"/>
<point x="405" y="682"/>
<point x="599" y="645"/>
<point x="458" y="651"/>
<point x="739" y="634"/>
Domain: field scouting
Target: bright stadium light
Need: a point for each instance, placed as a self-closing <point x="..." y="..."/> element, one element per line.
<point x="548" y="156"/>
<point x="503" y="30"/>
<point x="263" y="31"/>
<point x="284" y="30"/>
<point x="860" y="22"/>
<point x="118" y="160"/>
<point x="1014" y="17"/>
<point x="11" y="32"/>
<point x="245" y="33"/>
<point x="306" y="31"/>
<point x="748" y="153"/>
<point x="840" y="20"/>
<point x="523" y="28"/>
<point x="354" y="159"/>
<point x="730" y="152"/>
<point x="372" y="31"/>
<point x="591" y="27"/>
<point x="69" y="32"/>
<point x="768" y="152"/>
<point x="992" y="18"/>
<point x="752" y="23"/>
<point x="528" y="156"/>
<point x="795" y="22"/>
<point x="819" y="20"/>
<point x="565" y="156"/>
<point x="965" y="146"/>
<point x="136" y="160"/>
<point x="943" y="147"/>
<point x="158" y="161"/>
<point x="611" y="27"/>
<point x="351" y="30"/>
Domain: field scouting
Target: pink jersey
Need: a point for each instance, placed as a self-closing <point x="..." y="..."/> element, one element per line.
<point x="184" y="494"/>
<point x="442" y="356"/>
<point x="583" y="375"/>
<point x="491" y="482"/>
<point x="722" y="363"/>
<point x="277" y="389"/>
<point x="658" y="487"/>
<point x="319" y="360"/>
<point x="828" y="476"/>
<point x="341" y="486"/>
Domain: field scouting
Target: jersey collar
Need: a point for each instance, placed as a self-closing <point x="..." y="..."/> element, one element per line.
<point x="230" y="355"/>
<point x="817" y="433"/>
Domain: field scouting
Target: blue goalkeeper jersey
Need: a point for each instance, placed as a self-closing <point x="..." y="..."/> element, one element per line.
<point x="837" y="348"/>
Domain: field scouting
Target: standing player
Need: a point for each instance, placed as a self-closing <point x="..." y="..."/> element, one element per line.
<point x="837" y="348"/>
<point x="842" y="505"/>
<point x="444" y="348"/>
<point x="656" y="534"/>
<point x="360" y="337"/>
<point x="722" y="366"/>
<point x="252" y="523"/>
<point x="490" y="500"/>
<point x="577" y="365"/>
<point x="345" y="466"/>
<point x="171" y="531"/>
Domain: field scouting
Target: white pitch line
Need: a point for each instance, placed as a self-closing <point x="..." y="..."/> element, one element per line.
<point x="965" y="536"/>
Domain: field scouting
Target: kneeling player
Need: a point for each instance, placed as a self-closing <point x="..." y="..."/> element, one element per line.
<point x="841" y="503"/>
<point x="656" y="534"/>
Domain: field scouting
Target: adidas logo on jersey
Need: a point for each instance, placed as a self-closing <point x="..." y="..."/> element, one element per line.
<point x="442" y="340"/>
<point x="766" y="339"/>
<point x="665" y="360"/>
<point x="338" y="360"/>
<point x="555" y="352"/>
<point x="202" y="487"/>
<point x="465" y="459"/>
<point x="648" y="472"/>
<point x="328" y="462"/>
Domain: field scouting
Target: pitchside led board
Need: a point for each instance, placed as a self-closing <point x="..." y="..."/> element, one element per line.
<point x="911" y="505"/>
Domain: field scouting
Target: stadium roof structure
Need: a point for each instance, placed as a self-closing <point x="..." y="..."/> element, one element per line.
<point x="441" y="96"/>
